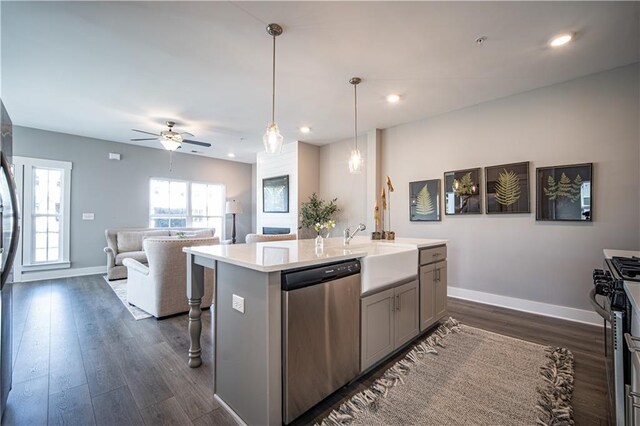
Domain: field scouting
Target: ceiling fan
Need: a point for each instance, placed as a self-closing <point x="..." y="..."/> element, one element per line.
<point x="170" y="139"/>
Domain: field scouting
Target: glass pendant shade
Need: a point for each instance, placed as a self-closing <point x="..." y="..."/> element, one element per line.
<point x="355" y="161"/>
<point x="272" y="139"/>
<point x="170" y="145"/>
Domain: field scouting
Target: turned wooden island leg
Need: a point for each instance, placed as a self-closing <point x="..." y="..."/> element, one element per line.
<point x="195" y="292"/>
<point x="195" y="330"/>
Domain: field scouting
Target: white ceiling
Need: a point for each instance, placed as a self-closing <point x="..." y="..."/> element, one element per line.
<point x="98" y="69"/>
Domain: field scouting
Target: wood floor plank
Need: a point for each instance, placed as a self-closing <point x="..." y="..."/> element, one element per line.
<point x="71" y="407"/>
<point x="143" y="378"/>
<point x="27" y="403"/>
<point x="102" y="368"/>
<point x="217" y="417"/>
<point x="116" y="407"/>
<point x="167" y="412"/>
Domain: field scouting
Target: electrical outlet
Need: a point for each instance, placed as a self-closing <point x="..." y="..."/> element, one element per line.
<point x="88" y="216"/>
<point x="237" y="303"/>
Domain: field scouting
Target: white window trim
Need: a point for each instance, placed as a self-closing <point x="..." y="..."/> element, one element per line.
<point x="24" y="182"/>
<point x="189" y="217"/>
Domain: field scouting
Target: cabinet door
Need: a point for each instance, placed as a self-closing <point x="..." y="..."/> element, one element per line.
<point x="427" y="296"/>
<point x="441" y="289"/>
<point x="377" y="327"/>
<point x="407" y="308"/>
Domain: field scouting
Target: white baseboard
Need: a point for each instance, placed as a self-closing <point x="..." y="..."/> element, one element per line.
<point x="546" y="309"/>
<point x="61" y="273"/>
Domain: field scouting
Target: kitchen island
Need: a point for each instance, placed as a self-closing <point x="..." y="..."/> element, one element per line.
<point x="248" y="310"/>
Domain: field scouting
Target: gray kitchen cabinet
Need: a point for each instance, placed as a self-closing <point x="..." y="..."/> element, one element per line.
<point x="406" y="312"/>
<point x="427" y="296"/>
<point x="389" y="320"/>
<point x="377" y="327"/>
<point x="433" y="286"/>
<point x="441" y="289"/>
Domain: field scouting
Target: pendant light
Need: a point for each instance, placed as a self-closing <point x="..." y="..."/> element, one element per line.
<point x="355" y="160"/>
<point x="272" y="139"/>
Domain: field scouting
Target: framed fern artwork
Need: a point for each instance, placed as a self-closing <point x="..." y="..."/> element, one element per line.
<point x="565" y="193"/>
<point x="462" y="192"/>
<point x="507" y="188"/>
<point x="424" y="201"/>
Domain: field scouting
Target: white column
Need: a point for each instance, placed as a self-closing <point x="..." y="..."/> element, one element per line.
<point x="374" y="178"/>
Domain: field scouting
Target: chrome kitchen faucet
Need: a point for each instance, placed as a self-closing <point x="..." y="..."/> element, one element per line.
<point x="348" y="236"/>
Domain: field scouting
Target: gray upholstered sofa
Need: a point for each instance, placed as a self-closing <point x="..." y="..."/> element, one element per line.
<point x="126" y="243"/>
<point x="160" y="287"/>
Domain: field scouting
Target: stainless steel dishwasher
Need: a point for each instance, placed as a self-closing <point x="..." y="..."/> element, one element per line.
<point x="321" y="333"/>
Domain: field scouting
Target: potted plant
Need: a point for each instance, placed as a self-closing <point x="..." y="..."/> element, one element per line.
<point x="317" y="214"/>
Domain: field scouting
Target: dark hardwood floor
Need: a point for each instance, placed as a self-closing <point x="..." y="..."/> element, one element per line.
<point x="81" y="358"/>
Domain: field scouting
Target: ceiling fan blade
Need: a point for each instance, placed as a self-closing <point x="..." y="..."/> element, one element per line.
<point x="207" y="144"/>
<point x="144" y="139"/>
<point x="142" y="131"/>
<point x="187" y="133"/>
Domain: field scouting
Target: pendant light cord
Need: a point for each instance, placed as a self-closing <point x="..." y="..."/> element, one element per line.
<point x="273" y="84"/>
<point x="355" y="114"/>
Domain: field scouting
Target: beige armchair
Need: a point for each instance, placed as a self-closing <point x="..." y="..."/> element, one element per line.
<point x="160" y="287"/>
<point x="123" y="243"/>
<point x="264" y="238"/>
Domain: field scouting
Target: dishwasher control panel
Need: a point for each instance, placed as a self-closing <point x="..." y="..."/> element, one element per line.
<point x="304" y="277"/>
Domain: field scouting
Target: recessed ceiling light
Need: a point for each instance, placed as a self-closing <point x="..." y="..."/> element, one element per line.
<point x="392" y="99"/>
<point x="561" y="39"/>
<point x="305" y="129"/>
<point x="231" y="155"/>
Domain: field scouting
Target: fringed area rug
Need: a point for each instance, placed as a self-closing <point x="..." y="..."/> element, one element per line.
<point x="462" y="375"/>
<point x="119" y="287"/>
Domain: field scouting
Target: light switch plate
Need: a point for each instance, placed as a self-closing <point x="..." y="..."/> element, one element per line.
<point x="88" y="216"/>
<point x="237" y="303"/>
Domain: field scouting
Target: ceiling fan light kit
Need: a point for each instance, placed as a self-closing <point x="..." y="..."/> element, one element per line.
<point x="170" y="139"/>
<point x="272" y="138"/>
<point x="355" y="160"/>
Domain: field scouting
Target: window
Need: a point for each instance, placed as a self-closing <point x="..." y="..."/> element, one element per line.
<point x="44" y="187"/>
<point x="179" y="204"/>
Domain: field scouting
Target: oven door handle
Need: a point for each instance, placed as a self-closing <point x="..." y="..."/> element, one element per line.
<point x="633" y="343"/>
<point x="598" y="307"/>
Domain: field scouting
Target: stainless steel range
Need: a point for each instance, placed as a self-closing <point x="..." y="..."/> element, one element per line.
<point x="610" y="301"/>
<point x="622" y="350"/>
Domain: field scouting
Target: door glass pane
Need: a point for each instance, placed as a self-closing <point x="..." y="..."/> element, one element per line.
<point x="179" y="222"/>
<point x="216" y="200"/>
<point x="54" y="224"/>
<point x="178" y="198"/>
<point x="41" y="223"/>
<point x="41" y="240"/>
<point x="159" y="223"/>
<point x="159" y="197"/>
<point x="41" y="255"/>
<point x="198" y="199"/>
<point x="53" y="254"/>
<point x="216" y="222"/>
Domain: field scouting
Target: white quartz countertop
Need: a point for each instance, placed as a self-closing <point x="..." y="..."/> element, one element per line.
<point x="282" y="255"/>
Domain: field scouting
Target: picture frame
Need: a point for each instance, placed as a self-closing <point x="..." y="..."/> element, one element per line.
<point x="275" y="194"/>
<point x="462" y="192"/>
<point x="507" y="188"/>
<point x="565" y="193"/>
<point x="424" y="201"/>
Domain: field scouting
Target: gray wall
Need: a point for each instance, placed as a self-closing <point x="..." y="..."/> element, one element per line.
<point x="336" y="181"/>
<point x="591" y="119"/>
<point x="118" y="191"/>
